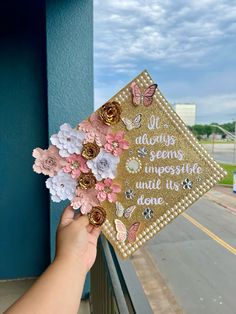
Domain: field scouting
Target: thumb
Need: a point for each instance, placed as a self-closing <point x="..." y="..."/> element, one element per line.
<point x="67" y="216"/>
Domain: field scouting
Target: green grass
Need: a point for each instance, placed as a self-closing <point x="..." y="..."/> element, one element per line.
<point x="228" y="179"/>
<point x="215" y="142"/>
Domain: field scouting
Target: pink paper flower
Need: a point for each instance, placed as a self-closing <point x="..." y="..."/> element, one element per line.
<point x="85" y="200"/>
<point x="48" y="161"/>
<point x="107" y="190"/>
<point x="94" y="129"/>
<point x="115" y="143"/>
<point x="75" y="165"/>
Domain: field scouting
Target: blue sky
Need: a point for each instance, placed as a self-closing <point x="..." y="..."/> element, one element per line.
<point x="189" y="48"/>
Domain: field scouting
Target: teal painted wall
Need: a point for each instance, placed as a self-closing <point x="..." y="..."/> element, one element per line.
<point x="35" y="99"/>
<point x="24" y="201"/>
<point x="69" y="72"/>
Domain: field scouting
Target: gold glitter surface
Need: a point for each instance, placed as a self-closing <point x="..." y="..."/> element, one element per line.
<point x="175" y="149"/>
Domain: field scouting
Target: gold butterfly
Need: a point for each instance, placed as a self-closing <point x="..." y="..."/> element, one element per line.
<point x="132" y="124"/>
<point x="121" y="211"/>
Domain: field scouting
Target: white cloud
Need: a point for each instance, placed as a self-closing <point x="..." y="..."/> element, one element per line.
<point x="181" y="32"/>
<point x="172" y="38"/>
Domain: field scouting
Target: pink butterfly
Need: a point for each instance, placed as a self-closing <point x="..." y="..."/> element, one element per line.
<point x="123" y="233"/>
<point x="145" y="98"/>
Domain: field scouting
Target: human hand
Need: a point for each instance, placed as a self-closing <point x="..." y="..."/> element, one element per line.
<point x="77" y="239"/>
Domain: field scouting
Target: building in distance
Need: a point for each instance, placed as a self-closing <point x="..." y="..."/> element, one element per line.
<point x="187" y="112"/>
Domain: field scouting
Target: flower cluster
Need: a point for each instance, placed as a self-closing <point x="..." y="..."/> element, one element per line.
<point x="82" y="162"/>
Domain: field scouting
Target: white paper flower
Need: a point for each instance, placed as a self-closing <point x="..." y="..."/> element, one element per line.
<point x="68" y="140"/>
<point x="104" y="165"/>
<point x="62" y="186"/>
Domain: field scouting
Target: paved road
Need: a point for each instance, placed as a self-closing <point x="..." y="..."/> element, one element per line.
<point x="222" y="152"/>
<point x="198" y="267"/>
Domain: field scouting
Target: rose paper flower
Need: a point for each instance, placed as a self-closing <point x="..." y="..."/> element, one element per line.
<point x="107" y="190"/>
<point x="90" y="150"/>
<point x="75" y="165"/>
<point x="110" y="112"/>
<point x="48" y="161"/>
<point x="86" y="181"/>
<point x="61" y="187"/>
<point x="104" y="165"/>
<point x="85" y="200"/>
<point x="68" y="140"/>
<point x="95" y="130"/>
<point x="97" y="216"/>
<point x="116" y="143"/>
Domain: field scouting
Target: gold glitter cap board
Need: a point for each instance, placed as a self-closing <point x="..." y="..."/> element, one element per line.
<point x="132" y="166"/>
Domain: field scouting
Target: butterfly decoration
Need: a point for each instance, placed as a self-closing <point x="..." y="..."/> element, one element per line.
<point x="132" y="124"/>
<point x="145" y="98"/>
<point x="122" y="233"/>
<point x="126" y="212"/>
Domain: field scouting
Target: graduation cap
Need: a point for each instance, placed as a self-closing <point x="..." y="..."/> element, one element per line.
<point x="133" y="166"/>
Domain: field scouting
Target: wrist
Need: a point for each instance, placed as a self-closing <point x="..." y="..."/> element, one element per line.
<point x="72" y="262"/>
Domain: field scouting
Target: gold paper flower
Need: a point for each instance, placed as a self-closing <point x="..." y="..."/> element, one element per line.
<point x="110" y="112"/>
<point x="90" y="150"/>
<point x="86" y="181"/>
<point x="97" y="216"/>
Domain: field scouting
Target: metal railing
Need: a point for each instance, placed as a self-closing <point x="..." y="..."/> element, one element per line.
<point x="115" y="287"/>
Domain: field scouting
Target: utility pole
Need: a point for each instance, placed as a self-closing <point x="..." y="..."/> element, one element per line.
<point x="235" y="141"/>
<point x="213" y="142"/>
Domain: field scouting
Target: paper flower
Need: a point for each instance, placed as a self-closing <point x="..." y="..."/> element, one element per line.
<point x="90" y="150"/>
<point x="68" y="140"/>
<point x="107" y="190"/>
<point x="86" y="181"/>
<point x="85" y="200"/>
<point x="75" y="165"/>
<point x="62" y="186"/>
<point x="104" y="165"/>
<point x="94" y="129"/>
<point x="48" y="161"/>
<point x="116" y="143"/>
<point x="97" y="216"/>
<point x="110" y="112"/>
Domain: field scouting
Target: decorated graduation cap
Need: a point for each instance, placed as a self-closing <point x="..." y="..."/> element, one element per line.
<point x="132" y="166"/>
